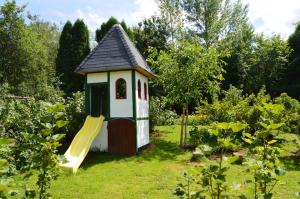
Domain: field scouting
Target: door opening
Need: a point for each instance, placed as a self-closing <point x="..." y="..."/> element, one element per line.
<point x="99" y="100"/>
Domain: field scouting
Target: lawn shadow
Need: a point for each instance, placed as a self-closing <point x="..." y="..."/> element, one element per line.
<point x="158" y="149"/>
<point x="94" y="158"/>
<point x="292" y="161"/>
<point x="161" y="150"/>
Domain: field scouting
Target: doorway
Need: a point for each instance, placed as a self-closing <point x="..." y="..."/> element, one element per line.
<point x="99" y="100"/>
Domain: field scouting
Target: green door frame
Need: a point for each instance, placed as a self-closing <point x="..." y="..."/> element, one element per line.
<point x="88" y="96"/>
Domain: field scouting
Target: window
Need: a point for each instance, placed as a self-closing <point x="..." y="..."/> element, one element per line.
<point x="120" y="89"/>
<point x="145" y="91"/>
<point x="139" y="89"/>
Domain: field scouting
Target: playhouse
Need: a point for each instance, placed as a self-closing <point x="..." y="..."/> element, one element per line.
<point x="117" y="87"/>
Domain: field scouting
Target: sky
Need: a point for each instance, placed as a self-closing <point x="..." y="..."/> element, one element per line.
<point x="268" y="16"/>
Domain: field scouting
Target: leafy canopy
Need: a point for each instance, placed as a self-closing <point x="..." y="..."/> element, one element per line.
<point x="188" y="71"/>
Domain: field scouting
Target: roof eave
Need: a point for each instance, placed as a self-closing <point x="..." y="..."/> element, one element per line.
<point x="140" y="69"/>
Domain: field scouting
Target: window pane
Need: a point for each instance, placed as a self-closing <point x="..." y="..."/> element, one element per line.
<point x="139" y="89"/>
<point x="121" y="89"/>
<point x="145" y="91"/>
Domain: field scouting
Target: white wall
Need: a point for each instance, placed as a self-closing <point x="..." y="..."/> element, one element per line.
<point x="142" y="132"/>
<point x="101" y="141"/>
<point x="142" y="111"/>
<point x="121" y="107"/>
<point x="96" y="77"/>
<point x="142" y="105"/>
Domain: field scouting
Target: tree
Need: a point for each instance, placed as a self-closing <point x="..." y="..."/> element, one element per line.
<point x="269" y="60"/>
<point x="73" y="48"/>
<point x="151" y="32"/>
<point x="107" y="25"/>
<point x="290" y="82"/>
<point x="12" y="45"/>
<point x="26" y="56"/>
<point x="187" y="72"/>
<point x="239" y="41"/>
<point x="209" y="18"/>
<point x="64" y="59"/>
<point x="238" y="63"/>
<point x="171" y="13"/>
<point x="80" y="49"/>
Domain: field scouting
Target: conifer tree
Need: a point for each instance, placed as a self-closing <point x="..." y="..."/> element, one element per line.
<point x="63" y="59"/>
<point x="107" y="25"/>
<point x="80" y="49"/>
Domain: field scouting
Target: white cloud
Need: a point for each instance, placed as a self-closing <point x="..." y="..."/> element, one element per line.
<point x="268" y="16"/>
<point x="145" y="9"/>
<point x="274" y="16"/>
<point x="91" y="17"/>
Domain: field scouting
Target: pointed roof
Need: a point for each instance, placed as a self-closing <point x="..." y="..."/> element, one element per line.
<point x="114" y="52"/>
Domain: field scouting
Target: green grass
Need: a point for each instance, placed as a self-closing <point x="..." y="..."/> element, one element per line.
<point x="151" y="174"/>
<point x="155" y="172"/>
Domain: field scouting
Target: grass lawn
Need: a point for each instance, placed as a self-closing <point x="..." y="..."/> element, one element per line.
<point x="155" y="172"/>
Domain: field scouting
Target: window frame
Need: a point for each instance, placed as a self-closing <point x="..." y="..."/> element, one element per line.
<point x="116" y="88"/>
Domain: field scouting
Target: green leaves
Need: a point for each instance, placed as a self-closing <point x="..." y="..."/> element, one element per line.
<point x="263" y="149"/>
<point x="187" y="71"/>
<point x="6" y="141"/>
<point x="61" y="123"/>
<point x="35" y="146"/>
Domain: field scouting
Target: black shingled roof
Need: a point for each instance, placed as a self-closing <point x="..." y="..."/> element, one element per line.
<point x="114" y="52"/>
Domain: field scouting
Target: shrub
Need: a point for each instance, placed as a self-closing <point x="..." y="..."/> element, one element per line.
<point x="264" y="150"/>
<point x="159" y="115"/>
<point x="201" y="135"/>
<point x="35" y="142"/>
<point x="212" y="177"/>
<point x="292" y="113"/>
<point x="75" y="113"/>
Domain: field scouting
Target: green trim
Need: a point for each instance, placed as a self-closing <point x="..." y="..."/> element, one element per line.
<point x="97" y="83"/>
<point x="133" y="94"/>
<point x="142" y="118"/>
<point x="88" y="88"/>
<point x="108" y="92"/>
<point x="134" y="105"/>
<point x="128" y="118"/>
<point x="87" y="97"/>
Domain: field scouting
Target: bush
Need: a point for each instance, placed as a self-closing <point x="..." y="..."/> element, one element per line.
<point x="75" y="113"/>
<point x="234" y="107"/>
<point x="201" y="135"/>
<point x="22" y="115"/>
<point x="159" y="115"/>
<point x="292" y="113"/>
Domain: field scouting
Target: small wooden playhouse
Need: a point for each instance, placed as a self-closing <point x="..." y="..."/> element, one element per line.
<point x="117" y="88"/>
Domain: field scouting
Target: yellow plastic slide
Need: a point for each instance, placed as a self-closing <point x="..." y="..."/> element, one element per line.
<point x="82" y="142"/>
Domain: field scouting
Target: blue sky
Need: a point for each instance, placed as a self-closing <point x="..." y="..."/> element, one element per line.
<point x="268" y="16"/>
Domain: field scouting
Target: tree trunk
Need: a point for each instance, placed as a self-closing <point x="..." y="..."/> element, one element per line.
<point x="186" y="124"/>
<point x="182" y="123"/>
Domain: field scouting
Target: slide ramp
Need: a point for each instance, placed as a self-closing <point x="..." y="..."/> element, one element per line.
<point x="82" y="142"/>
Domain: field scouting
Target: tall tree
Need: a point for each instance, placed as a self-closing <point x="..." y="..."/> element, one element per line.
<point x="13" y="53"/>
<point x="209" y="18"/>
<point x="151" y="32"/>
<point x="172" y="14"/>
<point x="27" y="53"/>
<point x="107" y="25"/>
<point x="64" y="59"/>
<point x="80" y="49"/>
<point x="239" y="40"/>
<point x="291" y="82"/>
<point x="269" y="60"/>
